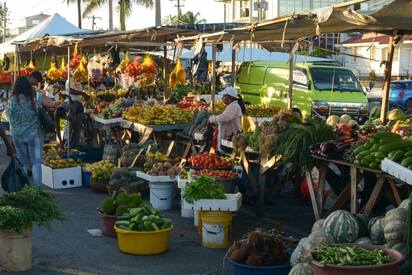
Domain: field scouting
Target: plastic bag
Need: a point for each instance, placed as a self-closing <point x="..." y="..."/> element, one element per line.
<point x="14" y="178"/>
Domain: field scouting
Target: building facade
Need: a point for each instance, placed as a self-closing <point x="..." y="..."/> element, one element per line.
<point x="28" y="23"/>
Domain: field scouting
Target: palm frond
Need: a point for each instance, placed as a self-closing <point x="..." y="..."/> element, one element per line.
<point x="91" y="6"/>
<point x="144" y="3"/>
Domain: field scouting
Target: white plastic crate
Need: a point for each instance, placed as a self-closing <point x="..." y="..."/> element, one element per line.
<point x="181" y="183"/>
<point x="260" y="120"/>
<point x="150" y="178"/>
<point x="232" y="203"/>
<point x="108" y="121"/>
<point x="398" y="171"/>
<point x="61" y="178"/>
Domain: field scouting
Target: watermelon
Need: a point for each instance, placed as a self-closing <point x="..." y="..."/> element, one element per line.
<point x="394" y="224"/>
<point x="398" y="246"/>
<point x="377" y="233"/>
<point x="363" y="240"/>
<point x="297" y="254"/>
<point x="342" y="226"/>
<point x="301" y="269"/>
<point x="371" y="223"/>
<point x="362" y="221"/>
<point x="318" y="225"/>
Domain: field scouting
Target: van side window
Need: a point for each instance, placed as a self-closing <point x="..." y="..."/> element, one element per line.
<point x="276" y="75"/>
<point x="251" y="75"/>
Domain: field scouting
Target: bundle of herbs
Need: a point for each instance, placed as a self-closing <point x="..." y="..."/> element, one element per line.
<point x="28" y="206"/>
<point x="260" y="248"/>
<point x="203" y="187"/>
<point x="293" y="143"/>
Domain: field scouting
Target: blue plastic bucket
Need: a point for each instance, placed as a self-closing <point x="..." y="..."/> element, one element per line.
<point x="86" y="178"/>
<point x="240" y="269"/>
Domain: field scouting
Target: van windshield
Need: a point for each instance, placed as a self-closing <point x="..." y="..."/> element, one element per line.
<point x="328" y="79"/>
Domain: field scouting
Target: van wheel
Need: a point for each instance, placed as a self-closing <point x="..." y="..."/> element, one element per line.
<point x="297" y="113"/>
<point x="409" y="104"/>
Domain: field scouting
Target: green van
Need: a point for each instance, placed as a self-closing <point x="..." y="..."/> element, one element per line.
<point x="320" y="88"/>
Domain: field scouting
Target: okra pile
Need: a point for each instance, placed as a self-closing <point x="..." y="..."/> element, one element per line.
<point x="350" y="255"/>
<point x="143" y="218"/>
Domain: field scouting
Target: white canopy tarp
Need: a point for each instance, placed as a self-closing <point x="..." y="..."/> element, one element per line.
<point x="54" y="25"/>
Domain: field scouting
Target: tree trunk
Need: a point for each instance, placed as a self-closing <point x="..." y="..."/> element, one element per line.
<point x="158" y="13"/>
<point x="79" y="13"/>
<point x="110" y="14"/>
<point x="122" y="15"/>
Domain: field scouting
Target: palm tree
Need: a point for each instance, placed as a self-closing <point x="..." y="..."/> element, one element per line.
<point x="124" y="7"/>
<point x="79" y="10"/>
<point x="186" y="18"/>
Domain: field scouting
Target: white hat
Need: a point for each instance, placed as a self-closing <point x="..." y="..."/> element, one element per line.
<point x="230" y="91"/>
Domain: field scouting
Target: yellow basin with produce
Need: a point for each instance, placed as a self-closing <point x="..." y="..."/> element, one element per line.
<point x="143" y="242"/>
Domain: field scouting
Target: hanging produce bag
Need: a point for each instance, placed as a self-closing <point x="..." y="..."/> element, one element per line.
<point x="14" y="178"/>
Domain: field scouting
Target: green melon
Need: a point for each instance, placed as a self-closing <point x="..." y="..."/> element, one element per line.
<point x="107" y="206"/>
<point x="394" y="224"/>
<point x="297" y="254"/>
<point x="121" y="209"/>
<point x="371" y="223"/>
<point x="342" y="226"/>
<point x="398" y="246"/>
<point x="318" y="225"/>
<point x="362" y="221"/>
<point x="363" y="240"/>
<point x="377" y="233"/>
<point x="301" y="269"/>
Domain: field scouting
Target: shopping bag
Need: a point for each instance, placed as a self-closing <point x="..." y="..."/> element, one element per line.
<point x="14" y="178"/>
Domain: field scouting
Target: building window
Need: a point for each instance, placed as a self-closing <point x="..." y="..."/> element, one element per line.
<point x="35" y="21"/>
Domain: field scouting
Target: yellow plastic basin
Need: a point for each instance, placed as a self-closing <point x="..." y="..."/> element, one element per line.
<point x="143" y="242"/>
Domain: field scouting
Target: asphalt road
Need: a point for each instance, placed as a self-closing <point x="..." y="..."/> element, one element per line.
<point x="69" y="249"/>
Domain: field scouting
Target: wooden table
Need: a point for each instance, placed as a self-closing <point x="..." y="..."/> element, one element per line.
<point x="350" y="190"/>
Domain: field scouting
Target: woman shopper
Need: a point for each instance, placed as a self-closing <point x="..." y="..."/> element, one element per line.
<point x="23" y="115"/>
<point x="231" y="119"/>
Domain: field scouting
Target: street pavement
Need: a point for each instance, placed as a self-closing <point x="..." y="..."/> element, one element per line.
<point x="69" y="248"/>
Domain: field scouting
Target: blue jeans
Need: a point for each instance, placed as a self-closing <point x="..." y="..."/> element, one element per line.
<point x="29" y="149"/>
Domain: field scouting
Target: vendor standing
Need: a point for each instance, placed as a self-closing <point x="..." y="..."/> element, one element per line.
<point x="231" y="119"/>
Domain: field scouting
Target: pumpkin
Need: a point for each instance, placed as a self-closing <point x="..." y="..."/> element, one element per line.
<point x="398" y="246"/>
<point x="297" y="254"/>
<point x="318" y="225"/>
<point x="371" y="223"/>
<point x="301" y="269"/>
<point x="377" y="233"/>
<point x="314" y="240"/>
<point x="342" y="226"/>
<point x="404" y="204"/>
<point x="394" y="224"/>
<point x="363" y="240"/>
<point x="362" y="221"/>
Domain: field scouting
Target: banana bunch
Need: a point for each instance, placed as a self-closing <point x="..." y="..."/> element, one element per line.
<point x="157" y="115"/>
<point x="53" y="73"/>
<point x="123" y="64"/>
<point x="177" y="76"/>
<point x="80" y="74"/>
<point x="262" y="110"/>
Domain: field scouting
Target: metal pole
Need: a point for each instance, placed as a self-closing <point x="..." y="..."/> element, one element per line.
<point x="79" y="13"/>
<point x="4" y="21"/>
<point x="233" y="66"/>
<point x="290" y="88"/>
<point x="158" y="13"/>
<point x="387" y="80"/>
<point x="165" y="88"/>
<point x="68" y="94"/>
<point x="250" y="11"/>
<point x="15" y="65"/>
<point x="110" y="14"/>
<point x="179" y="11"/>
<point x="213" y="90"/>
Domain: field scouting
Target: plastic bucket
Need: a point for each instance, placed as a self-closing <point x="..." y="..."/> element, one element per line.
<point x="187" y="209"/>
<point x="161" y="195"/>
<point x="15" y="250"/>
<point x="86" y="178"/>
<point x="240" y="269"/>
<point x="216" y="229"/>
<point x="143" y="243"/>
<point x="108" y="222"/>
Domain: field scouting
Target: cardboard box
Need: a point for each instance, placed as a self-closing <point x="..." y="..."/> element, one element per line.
<point x="61" y="178"/>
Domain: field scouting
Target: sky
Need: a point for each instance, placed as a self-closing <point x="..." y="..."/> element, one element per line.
<point x="141" y="17"/>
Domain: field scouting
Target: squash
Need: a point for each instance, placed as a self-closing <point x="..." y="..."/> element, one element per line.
<point x="377" y="233"/>
<point x="301" y="269"/>
<point x="362" y="221"/>
<point x="314" y="240"/>
<point x="394" y="224"/>
<point x="363" y="240"/>
<point x="404" y="204"/>
<point x="342" y="226"/>
<point x="398" y="246"/>
<point x="297" y="254"/>
<point x="318" y="225"/>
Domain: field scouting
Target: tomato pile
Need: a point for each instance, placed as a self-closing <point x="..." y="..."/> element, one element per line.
<point x="191" y="104"/>
<point x="220" y="174"/>
<point x="209" y="161"/>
